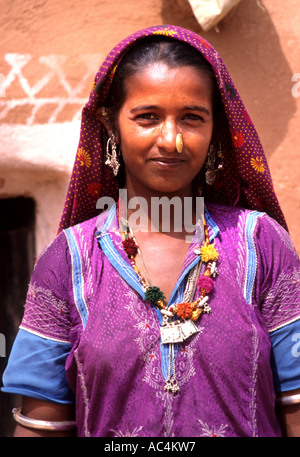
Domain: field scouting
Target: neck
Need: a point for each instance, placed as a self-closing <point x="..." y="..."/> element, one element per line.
<point x="171" y="214"/>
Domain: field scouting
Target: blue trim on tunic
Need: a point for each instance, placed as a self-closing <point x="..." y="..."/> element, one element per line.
<point x="212" y="225"/>
<point x="251" y="255"/>
<point x="123" y="268"/>
<point x="77" y="276"/>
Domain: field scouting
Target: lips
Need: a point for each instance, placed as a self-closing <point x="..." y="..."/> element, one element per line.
<point x="167" y="163"/>
<point x="167" y="160"/>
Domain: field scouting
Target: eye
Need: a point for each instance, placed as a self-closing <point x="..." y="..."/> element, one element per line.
<point x="146" y="120"/>
<point x="148" y="116"/>
<point x="193" y="117"/>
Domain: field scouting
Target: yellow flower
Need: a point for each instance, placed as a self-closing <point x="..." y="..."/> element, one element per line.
<point x="257" y="164"/>
<point x="209" y="252"/>
<point x="165" y="32"/>
<point x="84" y="157"/>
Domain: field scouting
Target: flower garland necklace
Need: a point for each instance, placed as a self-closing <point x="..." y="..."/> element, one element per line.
<point x="178" y="319"/>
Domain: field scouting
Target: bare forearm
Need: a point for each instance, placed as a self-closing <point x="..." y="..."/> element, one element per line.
<point x="290" y="420"/>
<point x="289" y="416"/>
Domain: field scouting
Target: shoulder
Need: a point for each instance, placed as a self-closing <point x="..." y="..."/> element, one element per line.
<point x="231" y="218"/>
<point x="254" y="227"/>
<point x="220" y="211"/>
<point x="57" y="251"/>
<point x="234" y="216"/>
<point x="88" y="227"/>
<point x="85" y="232"/>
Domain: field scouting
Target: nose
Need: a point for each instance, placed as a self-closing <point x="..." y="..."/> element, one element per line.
<point x="167" y="137"/>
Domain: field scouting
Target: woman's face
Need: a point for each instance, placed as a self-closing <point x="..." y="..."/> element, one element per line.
<point x="160" y="103"/>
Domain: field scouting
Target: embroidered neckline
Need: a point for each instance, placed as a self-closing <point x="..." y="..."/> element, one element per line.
<point x="178" y="319"/>
<point x="208" y="254"/>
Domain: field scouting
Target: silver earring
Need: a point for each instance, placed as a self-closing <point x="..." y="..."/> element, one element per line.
<point x="214" y="163"/>
<point x="112" y="157"/>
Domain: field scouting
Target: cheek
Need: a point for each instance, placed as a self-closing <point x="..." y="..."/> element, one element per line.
<point x="135" y="145"/>
<point x="200" y="147"/>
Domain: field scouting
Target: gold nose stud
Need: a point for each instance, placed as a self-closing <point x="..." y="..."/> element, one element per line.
<point x="179" y="143"/>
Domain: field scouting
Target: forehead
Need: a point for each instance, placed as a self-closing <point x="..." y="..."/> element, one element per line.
<point x="158" y="80"/>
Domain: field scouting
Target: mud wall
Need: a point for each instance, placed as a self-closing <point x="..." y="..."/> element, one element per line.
<point x="50" y="50"/>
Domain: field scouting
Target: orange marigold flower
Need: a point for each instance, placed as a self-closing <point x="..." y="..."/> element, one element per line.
<point x="257" y="164"/>
<point x="83" y="157"/>
<point x="184" y="310"/>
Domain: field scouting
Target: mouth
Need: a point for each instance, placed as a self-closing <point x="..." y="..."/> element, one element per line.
<point x="167" y="161"/>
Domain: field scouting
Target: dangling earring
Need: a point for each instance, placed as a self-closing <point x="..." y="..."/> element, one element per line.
<point x="214" y="163"/>
<point x="112" y="157"/>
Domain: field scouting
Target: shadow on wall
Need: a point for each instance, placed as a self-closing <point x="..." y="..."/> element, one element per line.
<point x="249" y="45"/>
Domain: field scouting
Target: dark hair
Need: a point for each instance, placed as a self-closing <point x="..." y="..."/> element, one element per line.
<point x="150" y="50"/>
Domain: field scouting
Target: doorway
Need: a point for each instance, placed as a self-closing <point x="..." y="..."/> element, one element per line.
<point x="17" y="257"/>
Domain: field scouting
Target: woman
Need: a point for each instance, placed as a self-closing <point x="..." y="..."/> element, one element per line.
<point x="139" y="331"/>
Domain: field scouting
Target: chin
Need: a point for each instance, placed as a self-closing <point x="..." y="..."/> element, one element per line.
<point x="172" y="190"/>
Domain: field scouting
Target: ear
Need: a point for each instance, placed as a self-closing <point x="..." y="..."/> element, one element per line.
<point x="103" y="116"/>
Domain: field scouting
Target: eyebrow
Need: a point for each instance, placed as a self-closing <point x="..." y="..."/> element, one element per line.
<point x="202" y="109"/>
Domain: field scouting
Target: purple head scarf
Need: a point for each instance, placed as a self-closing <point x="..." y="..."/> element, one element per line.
<point x="245" y="179"/>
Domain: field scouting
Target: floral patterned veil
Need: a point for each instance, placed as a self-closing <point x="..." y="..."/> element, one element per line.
<point x="245" y="179"/>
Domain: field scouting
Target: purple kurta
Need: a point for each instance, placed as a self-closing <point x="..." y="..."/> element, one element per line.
<point x="84" y="300"/>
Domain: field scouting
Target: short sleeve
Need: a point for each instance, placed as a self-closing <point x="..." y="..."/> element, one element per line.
<point x="278" y="287"/>
<point x="36" y="365"/>
<point x="285" y="356"/>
